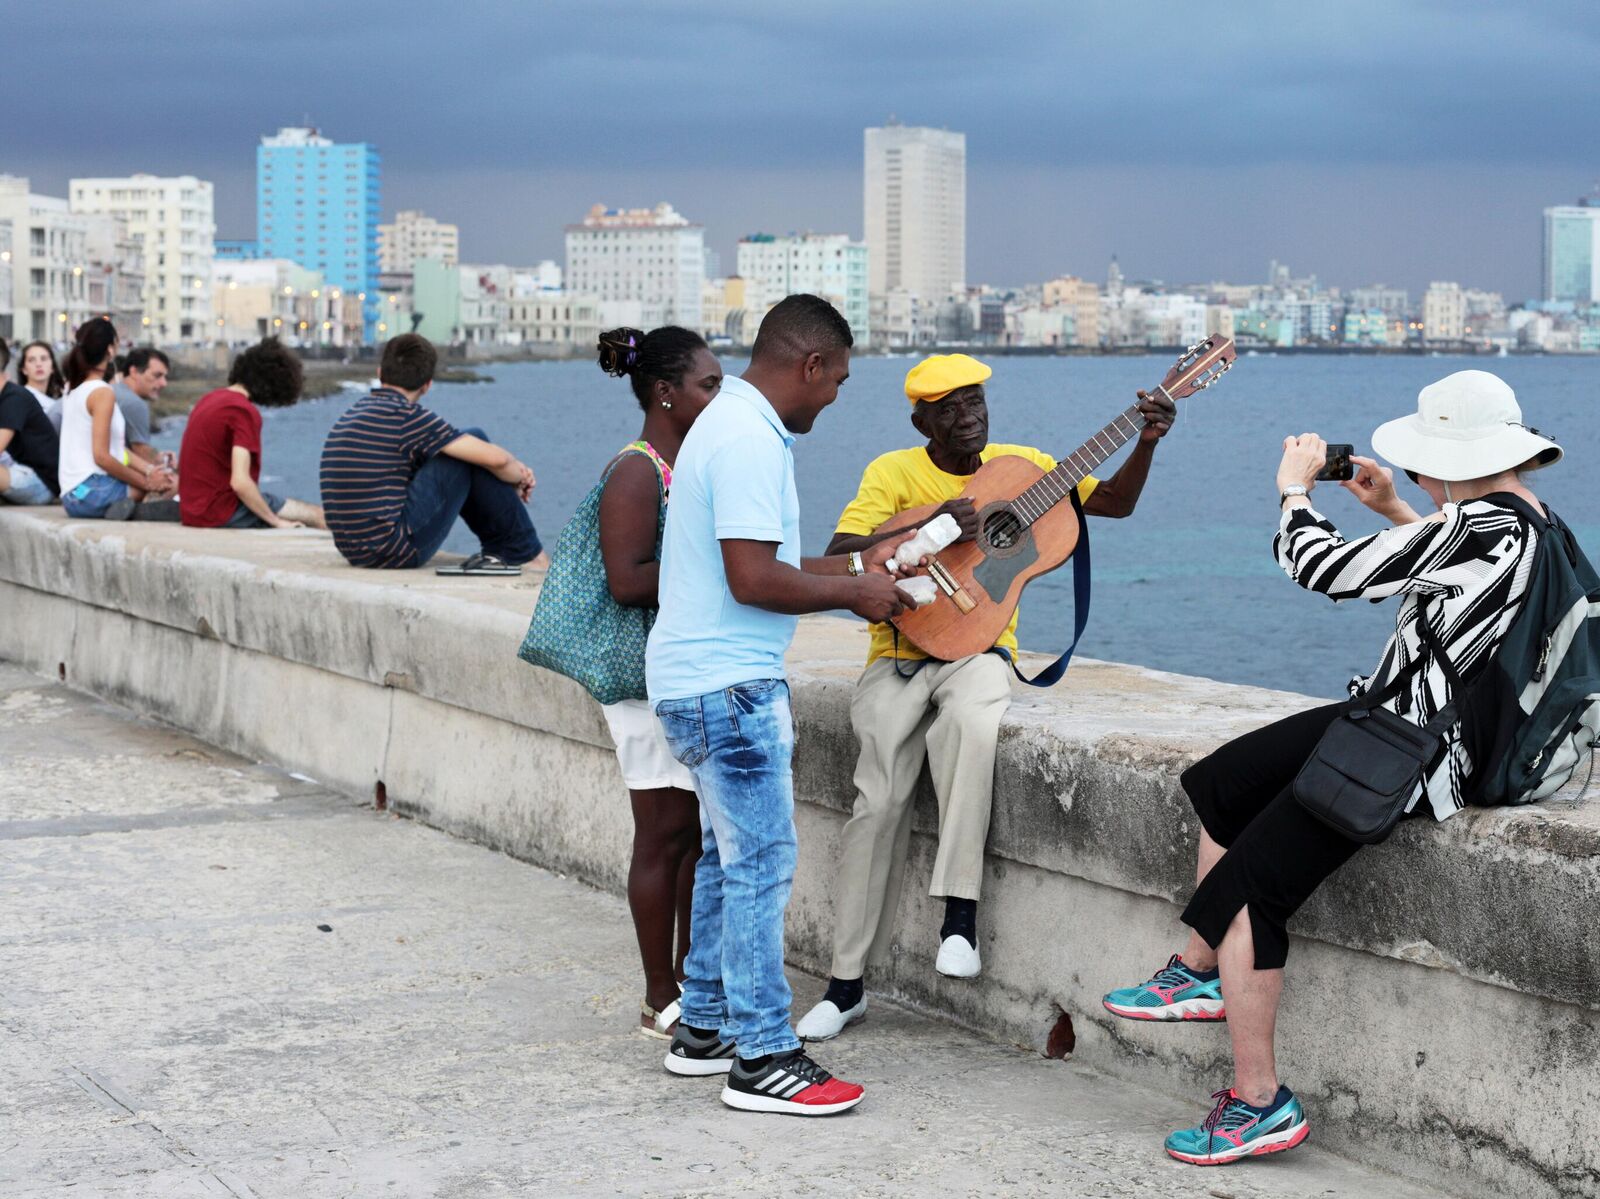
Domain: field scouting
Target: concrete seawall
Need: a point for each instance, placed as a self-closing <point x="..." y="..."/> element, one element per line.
<point x="1440" y="1016"/>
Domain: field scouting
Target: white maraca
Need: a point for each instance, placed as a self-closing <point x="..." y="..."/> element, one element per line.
<point x="921" y="590"/>
<point x="930" y="539"/>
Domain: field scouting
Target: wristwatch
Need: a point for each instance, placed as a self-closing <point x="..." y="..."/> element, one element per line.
<point x="1290" y="492"/>
<point x="854" y="564"/>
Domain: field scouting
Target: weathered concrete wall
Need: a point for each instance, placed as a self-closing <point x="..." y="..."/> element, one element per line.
<point x="1440" y="1013"/>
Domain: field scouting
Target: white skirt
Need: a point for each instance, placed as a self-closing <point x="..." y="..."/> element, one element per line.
<point x="642" y="752"/>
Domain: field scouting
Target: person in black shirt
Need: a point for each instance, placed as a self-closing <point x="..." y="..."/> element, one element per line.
<point x="29" y="448"/>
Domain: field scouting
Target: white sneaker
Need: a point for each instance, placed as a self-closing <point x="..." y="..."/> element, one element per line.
<point x="958" y="958"/>
<point x="826" y="1021"/>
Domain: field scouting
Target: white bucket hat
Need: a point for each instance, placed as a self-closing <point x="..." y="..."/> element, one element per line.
<point x="1466" y="426"/>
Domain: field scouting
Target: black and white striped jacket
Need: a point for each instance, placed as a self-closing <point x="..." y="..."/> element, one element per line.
<point x="1468" y="571"/>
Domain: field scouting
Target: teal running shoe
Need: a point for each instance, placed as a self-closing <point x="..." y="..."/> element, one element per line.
<point x="1234" y="1130"/>
<point x="1175" y="993"/>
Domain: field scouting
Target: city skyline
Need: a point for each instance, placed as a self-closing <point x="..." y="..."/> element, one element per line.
<point x="1371" y="144"/>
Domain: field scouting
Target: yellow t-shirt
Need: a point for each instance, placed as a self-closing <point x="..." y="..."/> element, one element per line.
<point x="903" y="479"/>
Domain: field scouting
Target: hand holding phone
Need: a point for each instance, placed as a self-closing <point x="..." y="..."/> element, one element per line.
<point x="1337" y="465"/>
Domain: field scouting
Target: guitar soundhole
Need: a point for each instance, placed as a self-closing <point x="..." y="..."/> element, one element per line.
<point x="1002" y="530"/>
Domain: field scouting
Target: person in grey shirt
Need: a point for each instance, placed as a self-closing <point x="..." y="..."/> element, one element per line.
<point x="143" y="377"/>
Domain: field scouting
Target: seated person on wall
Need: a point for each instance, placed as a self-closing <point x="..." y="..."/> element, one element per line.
<point x="222" y="446"/>
<point x="38" y="372"/>
<point x="395" y="476"/>
<point x="1462" y="574"/>
<point x="908" y="708"/>
<point x="29" y="448"/>
<point x="99" y="478"/>
<point x="141" y="378"/>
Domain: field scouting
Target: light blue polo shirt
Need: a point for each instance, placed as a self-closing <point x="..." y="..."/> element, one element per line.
<point x="734" y="479"/>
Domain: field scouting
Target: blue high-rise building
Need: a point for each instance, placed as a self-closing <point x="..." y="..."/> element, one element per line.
<point x="317" y="204"/>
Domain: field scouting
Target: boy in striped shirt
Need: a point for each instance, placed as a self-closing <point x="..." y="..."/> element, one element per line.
<point x="395" y="476"/>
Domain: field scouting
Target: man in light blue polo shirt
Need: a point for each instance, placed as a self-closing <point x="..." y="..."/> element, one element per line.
<point x="732" y="586"/>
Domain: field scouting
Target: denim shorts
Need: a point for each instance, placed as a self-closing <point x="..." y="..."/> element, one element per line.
<point x="93" y="496"/>
<point x="26" y="486"/>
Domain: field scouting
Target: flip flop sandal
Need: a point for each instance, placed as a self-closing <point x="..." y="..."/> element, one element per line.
<point x="480" y="564"/>
<point x="660" y="1025"/>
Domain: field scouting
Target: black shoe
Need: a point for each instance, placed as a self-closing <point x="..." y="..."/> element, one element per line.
<point x="696" y="1053"/>
<point x="121" y="510"/>
<point x="790" y="1083"/>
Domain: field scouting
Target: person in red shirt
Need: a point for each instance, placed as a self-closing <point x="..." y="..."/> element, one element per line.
<point x="221" y="451"/>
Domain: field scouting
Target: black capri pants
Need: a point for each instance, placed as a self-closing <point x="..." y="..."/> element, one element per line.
<point x="1277" y="852"/>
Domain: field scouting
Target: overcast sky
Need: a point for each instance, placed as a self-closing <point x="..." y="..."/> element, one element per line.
<point x="1363" y="140"/>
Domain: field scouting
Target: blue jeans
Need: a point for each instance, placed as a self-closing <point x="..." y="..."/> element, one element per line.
<point x="243" y="518"/>
<point x="739" y="744"/>
<point x="445" y="488"/>
<point x="93" y="496"/>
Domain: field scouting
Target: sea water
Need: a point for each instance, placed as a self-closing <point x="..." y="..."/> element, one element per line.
<point x="1187" y="583"/>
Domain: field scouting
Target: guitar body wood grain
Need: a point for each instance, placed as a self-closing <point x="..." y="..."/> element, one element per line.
<point x="941" y="629"/>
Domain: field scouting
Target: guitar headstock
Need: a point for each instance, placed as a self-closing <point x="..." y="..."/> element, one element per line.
<point x="1201" y="365"/>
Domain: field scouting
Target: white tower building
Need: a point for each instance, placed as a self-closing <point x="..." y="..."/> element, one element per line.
<point x="916" y="211"/>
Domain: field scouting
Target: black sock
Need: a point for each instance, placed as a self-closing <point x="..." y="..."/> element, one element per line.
<point x="702" y="1033"/>
<point x="748" y="1064"/>
<point x="845" y="993"/>
<point x="960" y="919"/>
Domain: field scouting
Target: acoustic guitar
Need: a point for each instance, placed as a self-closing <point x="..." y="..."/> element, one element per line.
<point x="1027" y="525"/>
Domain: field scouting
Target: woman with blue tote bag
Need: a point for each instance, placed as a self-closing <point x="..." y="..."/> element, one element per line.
<point x="593" y="617"/>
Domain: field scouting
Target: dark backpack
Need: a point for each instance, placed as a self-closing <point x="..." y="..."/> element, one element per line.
<point x="1532" y="715"/>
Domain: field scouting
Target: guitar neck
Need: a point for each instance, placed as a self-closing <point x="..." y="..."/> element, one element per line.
<point x="1059" y="483"/>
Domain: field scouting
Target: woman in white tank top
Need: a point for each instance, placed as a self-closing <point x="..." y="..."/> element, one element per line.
<point x="96" y="469"/>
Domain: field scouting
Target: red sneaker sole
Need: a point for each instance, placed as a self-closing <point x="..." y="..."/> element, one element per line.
<point x="746" y="1102"/>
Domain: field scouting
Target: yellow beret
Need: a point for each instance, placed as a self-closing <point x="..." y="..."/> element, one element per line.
<point x="938" y="375"/>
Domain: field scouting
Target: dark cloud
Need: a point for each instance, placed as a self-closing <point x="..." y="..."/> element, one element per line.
<point x="1356" y="137"/>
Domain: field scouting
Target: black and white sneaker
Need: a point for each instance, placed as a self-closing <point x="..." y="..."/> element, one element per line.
<point x="695" y="1054"/>
<point x="790" y="1083"/>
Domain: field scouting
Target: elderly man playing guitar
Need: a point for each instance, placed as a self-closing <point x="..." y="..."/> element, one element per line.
<point x="909" y="707"/>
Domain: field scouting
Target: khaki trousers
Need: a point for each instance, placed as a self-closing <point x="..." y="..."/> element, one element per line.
<point x="949" y="714"/>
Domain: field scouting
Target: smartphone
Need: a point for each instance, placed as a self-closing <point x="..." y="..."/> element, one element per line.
<point x="1338" y="465"/>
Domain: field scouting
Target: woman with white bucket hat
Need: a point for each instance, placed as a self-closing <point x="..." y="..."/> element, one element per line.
<point x="1461" y="574"/>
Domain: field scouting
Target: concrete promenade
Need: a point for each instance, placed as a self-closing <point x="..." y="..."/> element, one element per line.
<point x="219" y="979"/>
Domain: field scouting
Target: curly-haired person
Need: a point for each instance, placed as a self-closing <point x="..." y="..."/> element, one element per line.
<point x="221" y="453"/>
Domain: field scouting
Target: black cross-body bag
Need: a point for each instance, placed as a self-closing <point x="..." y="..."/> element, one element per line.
<point x="1368" y="764"/>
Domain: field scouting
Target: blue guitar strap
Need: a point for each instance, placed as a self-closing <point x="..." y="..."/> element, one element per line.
<point x="1051" y="674"/>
